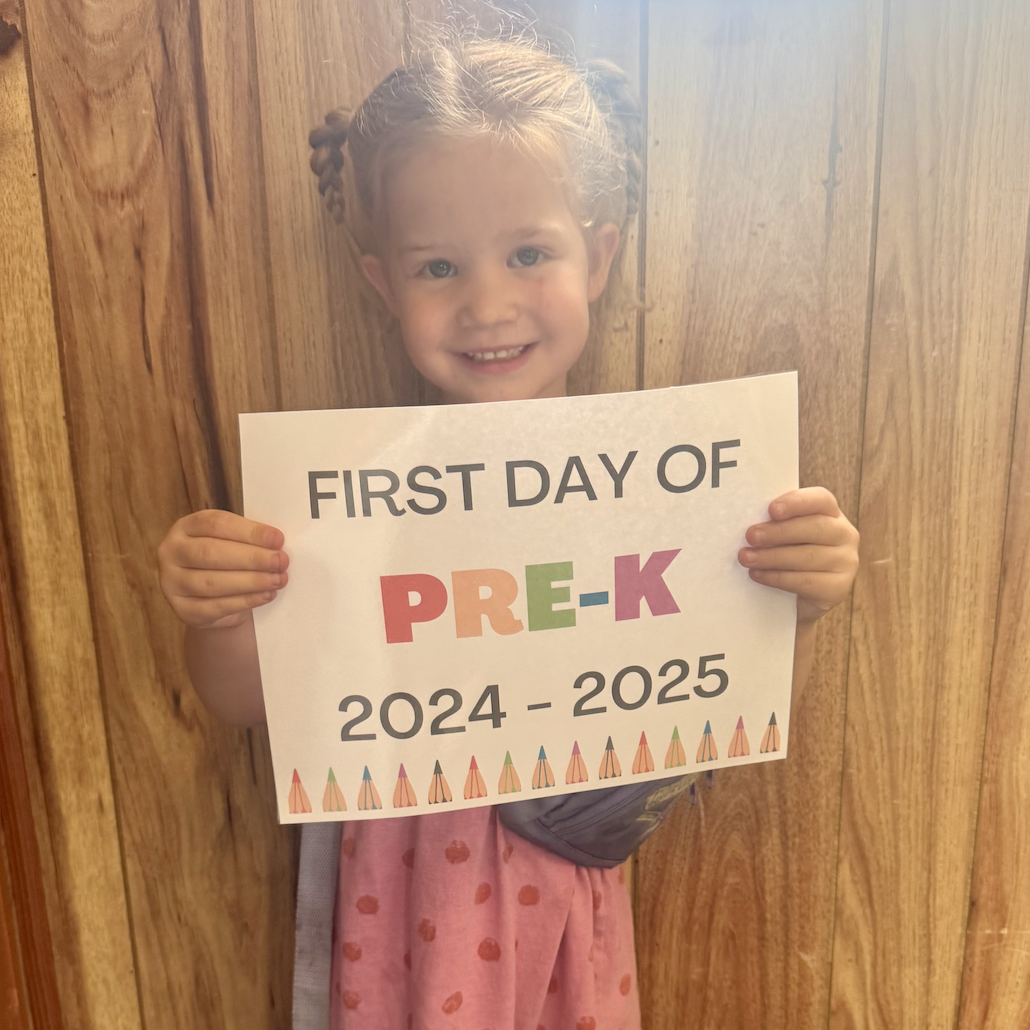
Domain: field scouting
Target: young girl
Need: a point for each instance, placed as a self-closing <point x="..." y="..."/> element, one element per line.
<point x="495" y="182"/>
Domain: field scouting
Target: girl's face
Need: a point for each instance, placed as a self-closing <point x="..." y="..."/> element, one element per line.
<point x="487" y="271"/>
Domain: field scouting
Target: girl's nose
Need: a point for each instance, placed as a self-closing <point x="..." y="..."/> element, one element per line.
<point x="488" y="300"/>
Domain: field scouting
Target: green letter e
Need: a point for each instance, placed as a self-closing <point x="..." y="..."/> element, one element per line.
<point x="541" y="596"/>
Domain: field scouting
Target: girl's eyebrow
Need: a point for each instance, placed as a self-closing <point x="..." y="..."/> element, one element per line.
<point x="539" y="229"/>
<point x="417" y="248"/>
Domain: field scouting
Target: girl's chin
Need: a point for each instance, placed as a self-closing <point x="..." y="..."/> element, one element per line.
<point x="463" y="380"/>
<point x="494" y="389"/>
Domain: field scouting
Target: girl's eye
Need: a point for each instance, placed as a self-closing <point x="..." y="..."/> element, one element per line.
<point x="440" y="269"/>
<point x="525" y="257"/>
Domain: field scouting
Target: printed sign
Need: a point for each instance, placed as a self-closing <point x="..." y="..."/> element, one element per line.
<point x="490" y="602"/>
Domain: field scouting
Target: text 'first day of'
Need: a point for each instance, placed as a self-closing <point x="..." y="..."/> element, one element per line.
<point x="680" y="469"/>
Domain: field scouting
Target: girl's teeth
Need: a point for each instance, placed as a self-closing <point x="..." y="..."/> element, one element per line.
<point x="497" y="355"/>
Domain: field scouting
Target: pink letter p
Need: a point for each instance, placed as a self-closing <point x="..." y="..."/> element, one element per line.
<point x="398" y="611"/>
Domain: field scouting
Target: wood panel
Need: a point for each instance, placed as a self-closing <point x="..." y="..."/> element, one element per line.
<point x="13" y="993"/>
<point x="26" y="953"/>
<point x="336" y="346"/>
<point x="762" y="166"/>
<point x="14" y="1010"/>
<point x="13" y="996"/>
<point x="996" y="976"/>
<point x="950" y="281"/>
<point x="58" y="806"/>
<point x="149" y="136"/>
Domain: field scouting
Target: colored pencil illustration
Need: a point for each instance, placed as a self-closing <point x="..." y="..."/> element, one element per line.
<point x="509" y="782"/>
<point x="674" y="756"/>
<point x="368" y="796"/>
<point x="332" y="799"/>
<point x="439" y="791"/>
<point x="577" y="770"/>
<point x="643" y="762"/>
<point x="706" y="750"/>
<point x="542" y="775"/>
<point x="474" y="785"/>
<point x="739" y="745"/>
<point x="404" y="792"/>
<point x="298" y="797"/>
<point x="609" y="763"/>
<point x="771" y="737"/>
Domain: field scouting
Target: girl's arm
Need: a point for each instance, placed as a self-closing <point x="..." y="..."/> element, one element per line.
<point x="223" y="667"/>
<point x="216" y="567"/>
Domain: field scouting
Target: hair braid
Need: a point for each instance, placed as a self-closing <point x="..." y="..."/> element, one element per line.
<point x="327" y="142"/>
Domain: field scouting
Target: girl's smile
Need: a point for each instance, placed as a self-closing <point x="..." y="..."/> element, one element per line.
<point x="497" y="362"/>
<point x="488" y="270"/>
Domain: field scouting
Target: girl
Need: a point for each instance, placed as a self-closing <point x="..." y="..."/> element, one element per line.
<point x="495" y="181"/>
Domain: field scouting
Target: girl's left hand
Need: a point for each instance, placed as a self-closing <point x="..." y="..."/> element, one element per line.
<point x="809" y="549"/>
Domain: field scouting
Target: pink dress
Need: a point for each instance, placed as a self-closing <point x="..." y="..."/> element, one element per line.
<point x="453" y="921"/>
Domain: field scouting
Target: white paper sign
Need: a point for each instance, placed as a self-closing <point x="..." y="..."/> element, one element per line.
<point x="491" y="602"/>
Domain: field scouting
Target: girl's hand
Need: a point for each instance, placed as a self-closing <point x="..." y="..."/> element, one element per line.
<point x="809" y="549"/>
<point x="216" y="566"/>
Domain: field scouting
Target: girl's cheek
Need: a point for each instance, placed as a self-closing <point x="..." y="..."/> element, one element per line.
<point x="555" y="294"/>
<point x="421" y="317"/>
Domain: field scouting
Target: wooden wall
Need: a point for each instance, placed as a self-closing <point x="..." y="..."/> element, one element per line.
<point x="842" y="188"/>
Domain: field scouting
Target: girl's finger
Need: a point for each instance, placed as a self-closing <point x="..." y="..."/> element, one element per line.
<point x="206" y="584"/>
<point x="798" y="558"/>
<point x="215" y="553"/>
<point x="225" y="525"/>
<point x="827" y="588"/>
<point x="803" y="529"/>
<point x="810" y="500"/>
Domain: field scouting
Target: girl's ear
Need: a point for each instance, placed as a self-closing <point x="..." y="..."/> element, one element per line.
<point x="375" y="273"/>
<point x="603" y="244"/>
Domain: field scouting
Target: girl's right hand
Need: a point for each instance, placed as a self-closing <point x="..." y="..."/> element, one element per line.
<point x="216" y="566"/>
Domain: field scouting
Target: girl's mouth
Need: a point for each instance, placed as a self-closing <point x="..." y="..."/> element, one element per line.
<point x="496" y="355"/>
<point x="498" y="361"/>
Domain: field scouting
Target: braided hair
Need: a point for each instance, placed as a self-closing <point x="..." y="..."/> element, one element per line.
<point x="515" y="86"/>
<point x="327" y="143"/>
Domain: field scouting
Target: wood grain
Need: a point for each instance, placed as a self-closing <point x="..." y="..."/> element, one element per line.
<point x="336" y="346"/>
<point x="28" y="980"/>
<point x="13" y="1000"/>
<point x="996" y="973"/>
<point x="13" y="1005"/>
<point x="150" y="145"/>
<point x="950" y="282"/>
<point x="761" y="169"/>
<point x="57" y="769"/>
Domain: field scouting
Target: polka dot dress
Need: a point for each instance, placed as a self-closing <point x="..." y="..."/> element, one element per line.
<point x="452" y="921"/>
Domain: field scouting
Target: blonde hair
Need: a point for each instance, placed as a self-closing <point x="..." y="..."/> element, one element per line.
<point x="515" y="87"/>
